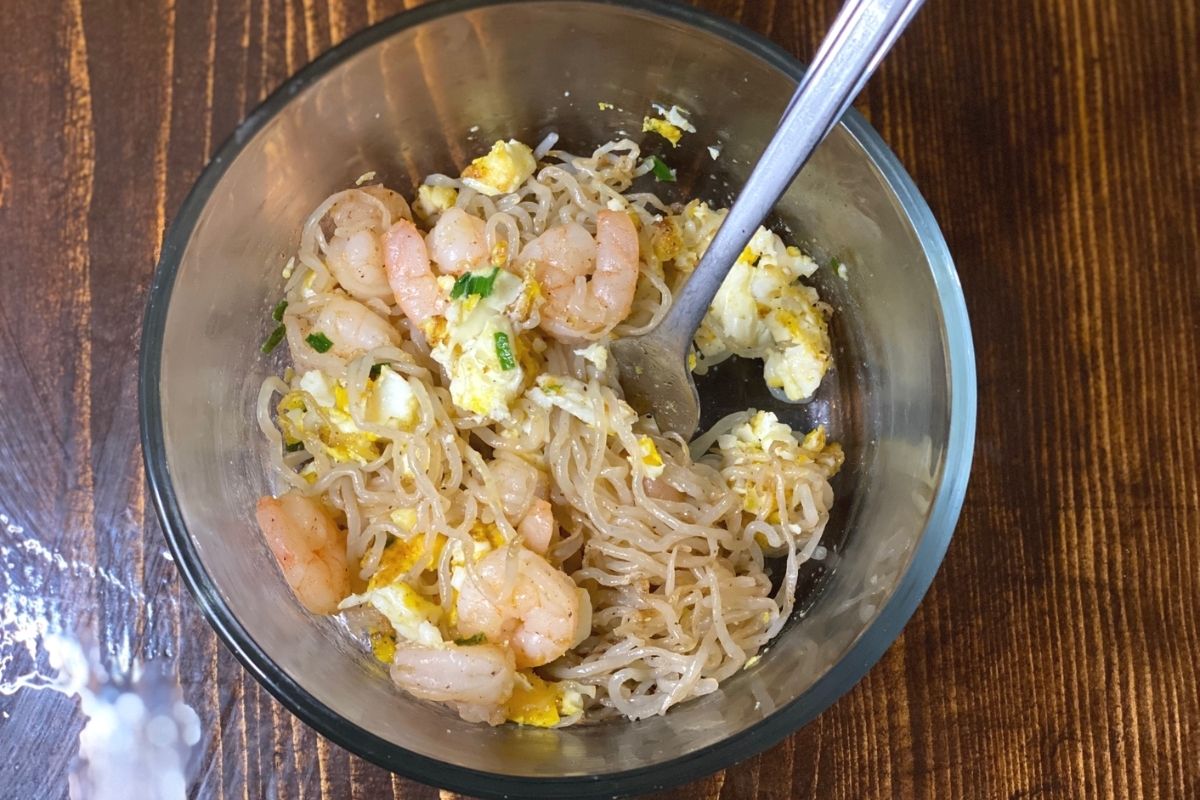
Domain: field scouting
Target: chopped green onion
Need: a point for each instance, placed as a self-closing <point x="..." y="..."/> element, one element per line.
<point x="277" y="311"/>
<point x="469" y="283"/>
<point x="376" y="369"/>
<point x="504" y="351"/>
<point x="661" y="171"/>
<point x="292" y="447"/>
<point x="834" y="263"/>
<point x="470" y="641"/>
<point x="273" y="340"/>
<point x="319" y="342"/>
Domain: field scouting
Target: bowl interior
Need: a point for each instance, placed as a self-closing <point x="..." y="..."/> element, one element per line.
<point x="433" y="92"/>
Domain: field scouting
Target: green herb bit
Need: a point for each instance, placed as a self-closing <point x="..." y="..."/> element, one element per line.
<point x="470" y="283"/>
<point x="471" y="641"/>
<point x="319" y="342"/>
<point x="834" y="263"/>
<point x="277" y="311"/>
<point x="273" y="340"/>
<point x="504" y="351"/>
<point x="292" y="447"/>
<point x="661" y="171"/>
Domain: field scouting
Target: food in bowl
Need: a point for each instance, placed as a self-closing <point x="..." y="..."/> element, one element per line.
<point x="466" y="487"/>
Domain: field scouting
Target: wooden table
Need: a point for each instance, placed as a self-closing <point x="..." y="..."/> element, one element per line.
<point x="1058" y="143"/>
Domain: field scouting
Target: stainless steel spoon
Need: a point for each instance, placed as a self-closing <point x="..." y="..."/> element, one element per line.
<point x="653" y="366"/>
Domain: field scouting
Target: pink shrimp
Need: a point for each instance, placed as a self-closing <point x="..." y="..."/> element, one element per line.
<point x="589" y="283"/>
<point x="309" y="547"/>
<point x="458" y="242"/>
<point x="354" y="253"/>
<point x="524" y="492"/>
<point x="537" y="526"/>
<point x="535" y="608"/>
<point x="477" y="680"/>
<point x="409" y="274"/>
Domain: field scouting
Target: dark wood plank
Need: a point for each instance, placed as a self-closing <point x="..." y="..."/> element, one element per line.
<point x="1059" y="146"/>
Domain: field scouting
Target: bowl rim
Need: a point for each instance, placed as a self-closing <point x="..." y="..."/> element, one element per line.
<point x="855" y="661"/>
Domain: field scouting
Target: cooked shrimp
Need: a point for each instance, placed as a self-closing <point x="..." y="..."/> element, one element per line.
<point x="412" y="281"/>
<point x="534" y="608"/>
<point x="309" y="547"/>
<point x="354" y="253"/>
<point x="352" y="327"/>
<point x="476" y="680"/>
<point x="579" y="307"/>
<point x="524" y="490"/>
<point x="518" y="483"/>
<point x="537" y="526"/>
<point x="458" y="242"/>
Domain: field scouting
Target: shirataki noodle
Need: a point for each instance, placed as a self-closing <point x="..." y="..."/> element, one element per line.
<point x="676" y="566"/>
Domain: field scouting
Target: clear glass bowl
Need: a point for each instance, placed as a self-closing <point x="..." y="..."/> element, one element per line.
<point x="422" y="92"/>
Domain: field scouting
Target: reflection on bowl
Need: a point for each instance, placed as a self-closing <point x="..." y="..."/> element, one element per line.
<point x="422" y="92"/>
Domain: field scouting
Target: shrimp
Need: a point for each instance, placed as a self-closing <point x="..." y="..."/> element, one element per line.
<point x="537" y="526"/>
<point x="534" y="608"/>
<point x="579" y="308"/>
<point x="458" y="242"/>
<point x="309" y="547"/>
<point x="524" y="492"/>
<point x="351" y="328"/>
<point x="477" y="680"/>
<point x="412" y="281"/>
<point x="354" y="253"/>
<point x="519" y="483"/>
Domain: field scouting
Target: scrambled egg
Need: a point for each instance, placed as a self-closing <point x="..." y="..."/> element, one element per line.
<point x="650" y="457"/>
<point x="502" y="170"/>
<point x="759" y="434"/>
<point x="570" y="395"/>
<point x="670" y="124"/>
<point x="597" y="354"/>
<point x="542" y="703"/>
<point x="433" y="200"/>
<point x="389" y="401"/>
<point x="486" y="537"/>
<point x="533" y="701"/>
<point x="762" y="438"/>
<point x="682" y="238"/>
<point x="762" y="311"/>
<point x="477" y="337"/>
<point x="329" y="422"/>
<point x="663" y="128"/>
<point x="413" y="618"/>
<point x="404" y="518"/>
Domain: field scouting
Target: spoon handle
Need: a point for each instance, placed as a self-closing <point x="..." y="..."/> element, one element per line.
<point x="860" y="37"/>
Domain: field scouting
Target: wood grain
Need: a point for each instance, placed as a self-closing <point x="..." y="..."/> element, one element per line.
<point x="1058" y="143"/>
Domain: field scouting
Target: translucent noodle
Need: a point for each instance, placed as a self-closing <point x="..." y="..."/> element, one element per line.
<point x="686" y="581"/>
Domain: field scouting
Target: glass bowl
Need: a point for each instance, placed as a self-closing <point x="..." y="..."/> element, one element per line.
<point x="424" y="92"/>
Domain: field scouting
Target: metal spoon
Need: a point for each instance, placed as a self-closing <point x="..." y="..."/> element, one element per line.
<point x="653" y="366"/>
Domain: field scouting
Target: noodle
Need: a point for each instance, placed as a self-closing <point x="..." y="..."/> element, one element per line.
<point x="675" y="559"/>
